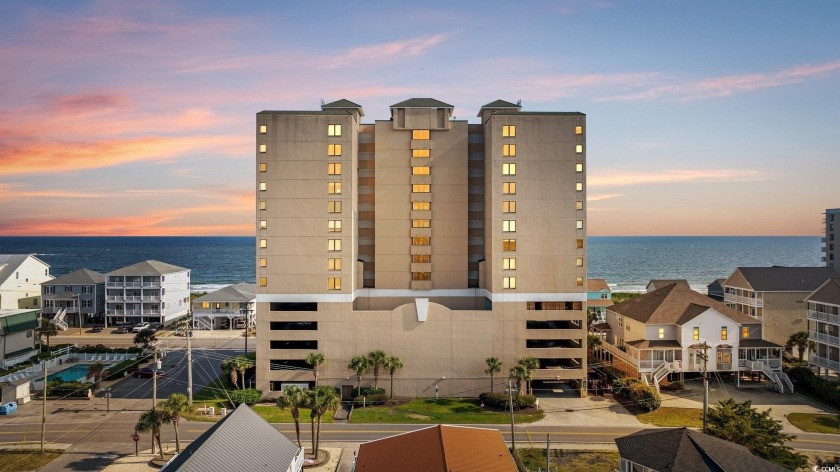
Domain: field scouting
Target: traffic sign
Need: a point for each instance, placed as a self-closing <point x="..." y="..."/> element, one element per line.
<point x="135" y="437"/>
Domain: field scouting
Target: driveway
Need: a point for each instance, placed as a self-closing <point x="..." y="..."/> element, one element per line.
<point x="566" y="408"/>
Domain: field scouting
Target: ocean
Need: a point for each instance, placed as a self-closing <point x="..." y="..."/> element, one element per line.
<point x="627" y="262"/>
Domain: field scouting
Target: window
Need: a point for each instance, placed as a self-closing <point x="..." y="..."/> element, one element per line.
<point x="49" y="289"/>
<point x="508" y="150"/>
<point x="263" y="243"/>
<point x="48" y="303"/>
<point x="724" y="357"/>
<point x="620" y="321"/>
<point x="333" y="245"/>
<point x="294" y="325"/>
<point x="724" y="333"/>
<point x="421" y="258"/>
<point x="508" y="188"/>
<point x="293" y="306"/>
<point x="334" y="226"/>
<point x="333" y="130"/>
<point x="87" y="289"/>
<point x="508" y="169"/>
<point x="579" y="205"/>
<point x="263" y="166"/>
<point x="334" y="206"/>
<point x="421" y="188"/>
<point x="579" y="224"/>
<point x="420" y="241"/>
<point x="578" y="167"/>
<point x="745" y="332"/>
<point x="334" y="263"/>
<point x="578" y="130"/>
<point x="508" y="131"/>
<point x="263" y="281"/>
<point x="508" y="245"/>
<point x="68" y="288"/>
<point x="579" y="281"/>
<point x="334" y="188"/>
<point x="420" y="170"/>
<point x="334" y="149"/>
<point x="579" y="148"/>
<point x="579" y="243"/>
<point x="421" y="276"/>
<point x="333" y="283"/>
<point x="508" y="226"/>
<point x="579" y="186"/>
<point x="263" y="224"/>
<point x="419" y="153"/>
<point x="263" y="262"/>
<point x="308" y="345"/>
<point x="420" y="134"/>
<point x="509" y="263"/>
<point x="263" y="186"/>
<point x="334" y="168"/>
<point x="263" y="148"/>
<point x="509" y="282"/>
<point x="508" y="206"/>
<point x="579" y="262"/>
<point x="661" y="333"/>
<point x="263" y="129"/>
<point x="421" y="206"/>
<point x="420" y="223"/>
<point x="695" y="333"/>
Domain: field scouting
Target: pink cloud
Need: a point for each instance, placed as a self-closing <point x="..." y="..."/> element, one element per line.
<point x="361" y="55"/>
<point x="630" y="178"/>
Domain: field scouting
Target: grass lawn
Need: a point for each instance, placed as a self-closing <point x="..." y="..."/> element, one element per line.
<point x="445" y="410"/>
<point x="673" y="417"/>
<point x="272" y="414"/>
<point x="590" y="461"/>
<point x="11" y="461"/>
<point x="815" y="423"/>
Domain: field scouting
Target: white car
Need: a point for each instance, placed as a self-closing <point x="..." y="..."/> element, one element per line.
<point x="140" y="327"/>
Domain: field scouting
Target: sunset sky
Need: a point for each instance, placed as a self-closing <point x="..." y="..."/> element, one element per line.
<point x="137" y="118"/>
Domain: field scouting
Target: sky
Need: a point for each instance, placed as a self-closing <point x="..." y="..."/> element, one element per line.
<point x="127" y="118"/>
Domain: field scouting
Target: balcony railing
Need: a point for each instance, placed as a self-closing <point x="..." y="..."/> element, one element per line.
<point x="732" y="298"/>
<point x="132" y="312"/>
<point x="221" y="311"/>
<point x="822" y="316"/>
<point x="824" y="337"/>
<point x="823" y="362"/>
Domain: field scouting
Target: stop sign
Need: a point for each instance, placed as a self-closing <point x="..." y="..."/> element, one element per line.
<point x="135" y="437"/>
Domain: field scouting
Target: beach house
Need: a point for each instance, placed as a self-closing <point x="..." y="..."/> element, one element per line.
<point x="18" y="339"/>
<point x="227" y="308"/>
<point x="20" y="280"/>
<point x="74" y="299"/>
<point x="598" y="298"/>
<point x="824" y="328"/>
<point x="148" y="291"/>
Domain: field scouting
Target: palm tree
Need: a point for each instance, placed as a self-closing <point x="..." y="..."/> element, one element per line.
<point x="145" y="338"/>
<point x="377" y="359"/>
<point x="494" y="366"/>
<point x="519" y="373"/>
<point x="359" y="364"/>
<point x="95" y="372"/>
<point x="174" y="407"/>
<point x="230" y="366"/>
<point x="294" y="398"/>
<point x="393" y="363"/>
<point x="152" y="421"/>
<point x="801" y="342"/>
<point x="242" y="364"/>
<point x="531" y="363"/>
<point x="46" y="330"/>
<point x="316" y="360"/>
<point x="323" y="399"/>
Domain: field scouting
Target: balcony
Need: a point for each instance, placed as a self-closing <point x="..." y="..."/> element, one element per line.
<point x="132" y="312"/>
<point x="824" y="337"/>
<point x="822" y="316"/>
<point x="154" y="284"/>
<point x="732" y="298"/>
<point x="823" y="362"/>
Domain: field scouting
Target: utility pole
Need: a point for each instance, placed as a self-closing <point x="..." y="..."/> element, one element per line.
<point x="547" y="453"/>
<point x="705" y="386"/>
<point x="189" y="364"/>
<point x="44" y="409"/>
<point x="512" y="432"/>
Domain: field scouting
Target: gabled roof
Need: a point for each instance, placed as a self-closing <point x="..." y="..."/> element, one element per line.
<point x="659" y="283"/>
<point x="9" y="263"/>
<point x="78" y="277"/>
<point x="828" y="293"/>
<point x="599" y="302"/>
<point x="685" y="450"/>
<point x="421" y="103"/>
<point x="597" y="285"/>
<point x="148" y="268"/>
<point x="241" y="440"/>
<point x="441" y="448"/>
<point x="501" y="104"/>
<point x="785" y="279"/>
<point x="241" y="292"/>
<point x="343" y="103"/>
<point x="675" y="304"/>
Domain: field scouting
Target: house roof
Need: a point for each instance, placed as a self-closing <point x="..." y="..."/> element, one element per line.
<point x="421" y="103"/>
<point x="242" y="440"/>
<point x="148" y="268"/>
<point x="9" y="263"/>
<point x="597" y="285"/>
<point x="659" y="283"/>
<point x="828" y="293"/>
<point x="241" y="292"/>
<point x="602" y="326"/>
<point x="78" y="277"/>
<point x="654" y="344"/>
<point x="14" y="320"/>
<point x="342" y="103"/>
<point x="440" y="448"/>
<point x="756" y="343"/>
<point x="598" y="302"/>
<point x="501" y="104"/>
<point x="687" y="450"/>
<point x="785" y="279"/>
<point x="675" y="304"/>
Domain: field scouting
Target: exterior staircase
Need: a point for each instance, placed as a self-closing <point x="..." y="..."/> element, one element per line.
<point x="659" y="374"/>
<point x="779" y="380"/>
<point x="58" y="320"/>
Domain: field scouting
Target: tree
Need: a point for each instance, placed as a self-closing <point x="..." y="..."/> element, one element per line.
<point x="531" y="363"/>
<point x="174" y="407"/>
<point x="95" y="372"/>
<point x="393" y="364"/>
<point x="757" y="431"/>
<point x="360" y="365"/>
<point x="151" y="421"/>
<point x="293" y="398"/>
<point x="46" y="330"/>
<point x="801" y="342"/>
<point x="519" y="373"/>
<point x="236" y="367"/>
<point x="592" y="341"/>
<point x="494" y="366"/>
<point x="316" y="360"/>
<point x="145" y="338"/>
<point x="322" y="400"/>
<point x="377" y="359"/>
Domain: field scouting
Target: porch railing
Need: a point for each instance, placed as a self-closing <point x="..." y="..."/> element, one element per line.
<point x="822" y="316"/>
<point x="728" y="297"/>
<point x="824" y="337"/>
<point x="825" y="362"/>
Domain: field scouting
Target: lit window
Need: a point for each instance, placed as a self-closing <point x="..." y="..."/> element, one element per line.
<point x="334" y="168"/>
<point x="263" y="166"/>
<point x="263" y="281"/>
<point x="334" y="188"/>
<point x="420" y="170"/>
<point x="509" y="150"/>
<point x="509" y="263"/>
<point x="333" y="130"/>
<point x="508" y="245"/>
<point x="508" y="131"/>
<point x="508" y="226"/>
<point x="661" y="333"/>
<point x="263" y="224"/>
<point x="724" y="333"/>
<point x="579" y="262"/>
<point x="421" y="206"/>
<point x="579" y="281"/>
<point x="695" y="333"/>
<point x="420" y="241"/>
<point x="334" y="226"/>
<point x="334" y="263"/>
<point x="579" y="205"/>
<point x="334" y="149"/>
<point x="263" y="147"/>
<point x="263" y="186"/>
<point x="420" y="223"/>
<point x="509" y="282"/>
<point x="745" y="332"/>
<point x="263" y="243"/>
<point x="333" y="245"/>
<point x="579" y="224"/>
<point x="421" y="276"/>
<point x="421" y="188"/>
<point x="508" y="206"/>
<point x="578" y="130"/>
<point x="579" y="186"/>
<point x="508" y="169"/>
<point x="263" y="262"/>
<point x="334" y="206"/>
<point x="578" y="167"/>
<point x="333" y="283"/>
<point x="579" y="243"/>
<point x="262" y="205"/>
<point x="419" y="153"/>
<point x="508" y="188"/>
<point x="263" y="129"/>
<point x="421" y="258"/>
<point x="579" y="148"/>
<point x="420" y="134"/>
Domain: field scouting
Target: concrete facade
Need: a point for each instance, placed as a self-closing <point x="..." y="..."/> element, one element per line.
<point x="437" y="241"/>
<point x="830" y="241"/>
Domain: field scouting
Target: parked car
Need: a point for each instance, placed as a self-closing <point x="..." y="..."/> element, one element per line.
<point x="239" y="324"/>
<point x="8" y="408"/>
<point x="121" y="329"/>
<point x="140" y="327"/>
<point x="148" y="372"/>
<point x="155" y="327"/>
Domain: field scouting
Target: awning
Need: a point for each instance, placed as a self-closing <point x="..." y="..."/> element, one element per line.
<point x="724" y="346"/>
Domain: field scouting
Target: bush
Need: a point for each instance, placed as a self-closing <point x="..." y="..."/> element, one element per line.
<point x="825" y="390"/>
<point x="367" y="391"/>
<point x="646" y="398"/>
<point x="58" y="388"/>
<point x="118" y="371"/>
<point x="500" y="400"/>
<point x="249" y="396"/>
<point x="372" y="399"/>
<point x="671" y="386"/>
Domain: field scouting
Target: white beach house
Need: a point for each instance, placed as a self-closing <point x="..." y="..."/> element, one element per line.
<point x="148" y="291"/>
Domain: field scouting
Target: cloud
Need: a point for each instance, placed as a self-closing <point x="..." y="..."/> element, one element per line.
<point x="598" y="198"/>
<point x="630" y="178"/>
<point x="124" y="226"/>
<point x="558" y="86"/>
<point x="16" y="191"/>
<point x="362" y="55"/>
<point x="82" y="103"/>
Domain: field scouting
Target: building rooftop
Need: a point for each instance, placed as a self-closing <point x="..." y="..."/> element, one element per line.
<point x="421" y="103"/>
<point x="783" y="279"/>
<point x="659" y="283"/>
<point x="10" y="262"/>
<point x="828" y="293"/>
<point x="15" y="320"/>
<point x="597" y="285"/>
<point x="675" y="304"/>
<point x="148" y="268"/>
<point x="241" y="292"/>
<point x="501" y="104"/>
<point x="78" y="277"/>
<point x="342" y="103"/>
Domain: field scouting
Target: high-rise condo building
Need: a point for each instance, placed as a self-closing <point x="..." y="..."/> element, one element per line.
<point x="437" y="241"/>
<point x="832" y="223"/>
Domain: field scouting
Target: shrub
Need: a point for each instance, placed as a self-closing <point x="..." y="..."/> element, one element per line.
<point x="826" y="390"/>
<point x="249" y="396"/>
<point x="671" y="386"/>
<point x="367" y="391"/>
<point x="646" y="398"/>
<point x="500" y="400"/>
<point x="118" y="371"/>
<point x="372" y="399"/>
<point x="58" y="388"/>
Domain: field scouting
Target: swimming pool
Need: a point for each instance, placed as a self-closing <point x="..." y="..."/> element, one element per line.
<point x="76" y="373"/>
